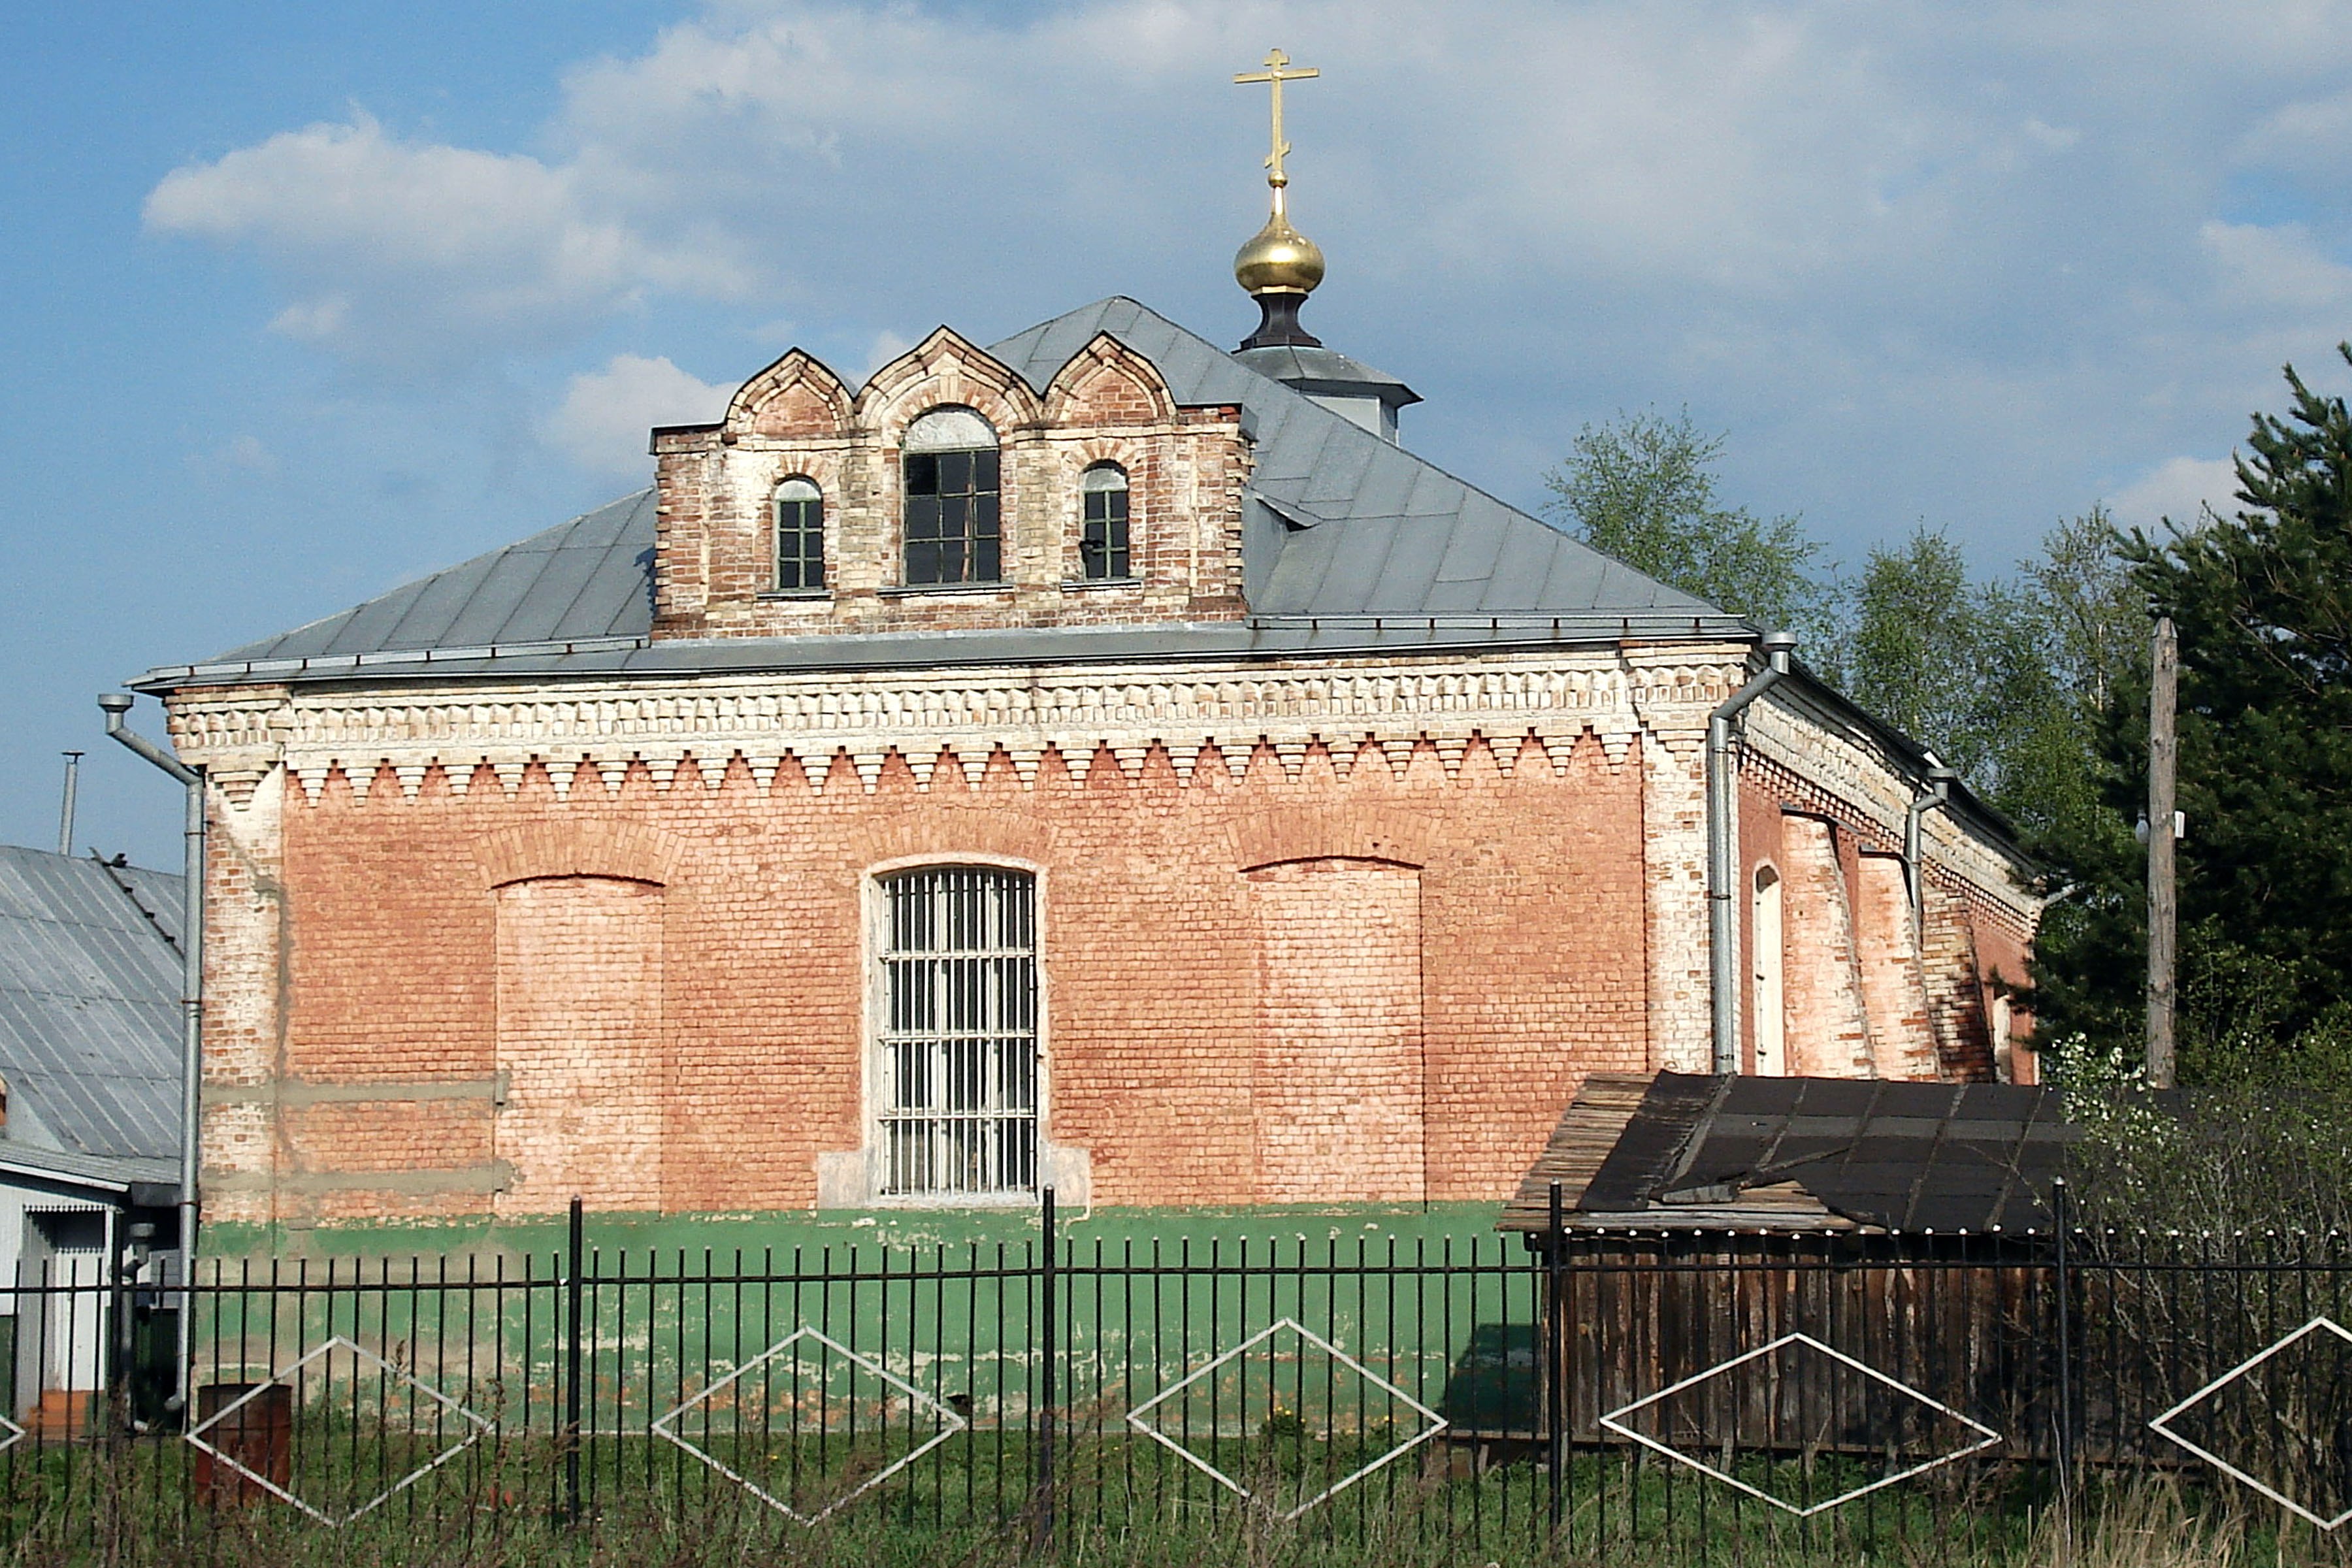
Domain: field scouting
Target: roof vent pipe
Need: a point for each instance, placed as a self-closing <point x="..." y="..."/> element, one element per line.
<point x="66" y="806"/>
<point x="191" y="1007"/>
<point x="1723" y="848"/>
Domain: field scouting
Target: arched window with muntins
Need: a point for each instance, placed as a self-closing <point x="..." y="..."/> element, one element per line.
<point x="799" y="535"/>
<point x="958" y="1075"/>
<point x="1102" y="539"/>
<point x="953" y="528"/>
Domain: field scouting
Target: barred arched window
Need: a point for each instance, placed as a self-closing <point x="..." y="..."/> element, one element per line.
<point x="959" y="1039"/>
<point x="799" y="535"/>
<point x="954" y="533"/>
<point x="1102" y="542"/>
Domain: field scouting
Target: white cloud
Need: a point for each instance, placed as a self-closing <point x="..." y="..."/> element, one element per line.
<point x="2178" y="489"/>
<point x="604" y="417"/>
<point x="402" y="250"/>
<point x="1943" y="262"/>
<point x="242" y="456"/>
<point x="2279" y="264"/>
<point x="887" y="346"/>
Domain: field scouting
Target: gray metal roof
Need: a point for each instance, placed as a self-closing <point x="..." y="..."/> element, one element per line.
<point x="588" y="580"/>
<point x="1315" y="369"/>
<point x="1350" y="544"/>
<point x="90" y="1017"/>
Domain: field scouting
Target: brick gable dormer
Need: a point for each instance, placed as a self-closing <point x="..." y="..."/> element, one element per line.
<point x="716" y="548"/>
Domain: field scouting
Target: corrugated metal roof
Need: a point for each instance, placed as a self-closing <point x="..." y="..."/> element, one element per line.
<point x="89" y="1016"/>
<point x="1347" y="531"/>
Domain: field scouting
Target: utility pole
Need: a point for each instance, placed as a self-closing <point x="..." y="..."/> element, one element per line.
<point x="2163" y="905"/>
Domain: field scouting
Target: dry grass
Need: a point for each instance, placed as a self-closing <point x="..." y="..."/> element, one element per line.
<point x="2150" y="1525"/>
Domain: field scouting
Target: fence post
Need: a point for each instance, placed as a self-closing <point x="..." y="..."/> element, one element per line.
<point x="576" y="1264"/>
<point x="118" y="1344"/>
<point x="2065" y="1282"/>
<point x="1554" y="1371"/>
<point x="1049" y="1326"/>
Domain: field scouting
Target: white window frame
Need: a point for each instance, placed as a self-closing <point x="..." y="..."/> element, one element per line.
<point x="879" y="1108"/>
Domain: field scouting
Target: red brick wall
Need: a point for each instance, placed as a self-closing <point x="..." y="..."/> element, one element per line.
<point x="1892" y="980"/>
<point x="1340" y="1029"/>
<point x="715" y="535"/>
<point x="1527" y="890"/>
<point x="580" y="994"/>
<point x="1829" y="1033"/>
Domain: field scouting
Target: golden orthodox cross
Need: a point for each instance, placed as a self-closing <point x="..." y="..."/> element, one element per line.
<point x="1274" y="76"/>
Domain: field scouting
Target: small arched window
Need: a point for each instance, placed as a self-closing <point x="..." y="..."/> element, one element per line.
<point x="799" y="535"/>
<point x="953" y="532"/>
<point x="1766" y="935"/>
<point x="1102" y="539"/>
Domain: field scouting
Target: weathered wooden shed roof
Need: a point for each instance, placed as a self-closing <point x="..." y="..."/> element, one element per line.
<point x="1719" y="1151"/>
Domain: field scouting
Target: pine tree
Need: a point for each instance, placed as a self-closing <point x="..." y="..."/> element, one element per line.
<point x="2263" y="602"/>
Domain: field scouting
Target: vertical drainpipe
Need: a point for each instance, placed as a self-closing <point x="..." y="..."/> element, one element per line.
<point x="192" y="1016"/>
<point x="1723" y="849"/>
<point x="1934" y="793"/>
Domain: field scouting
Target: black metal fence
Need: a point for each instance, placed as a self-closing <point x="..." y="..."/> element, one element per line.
<point x="1478" y="1399"/>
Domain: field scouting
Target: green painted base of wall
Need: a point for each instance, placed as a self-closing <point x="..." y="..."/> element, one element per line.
<point x="723" y="1235"/>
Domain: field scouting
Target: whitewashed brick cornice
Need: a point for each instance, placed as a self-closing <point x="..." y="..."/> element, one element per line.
<point x="1872" y="788"/>
<point x="1230" y="708"/>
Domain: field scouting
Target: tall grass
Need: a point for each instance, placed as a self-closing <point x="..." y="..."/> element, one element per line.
<point x="122" y="1521"/>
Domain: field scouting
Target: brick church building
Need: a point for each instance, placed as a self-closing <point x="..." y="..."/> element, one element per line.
<point x="1100" y="760"/>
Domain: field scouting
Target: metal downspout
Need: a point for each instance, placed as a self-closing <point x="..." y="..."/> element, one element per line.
<point x="1723" y="849"/>
<point x="192" y="1016"/>
<point x="1934" y="793"/>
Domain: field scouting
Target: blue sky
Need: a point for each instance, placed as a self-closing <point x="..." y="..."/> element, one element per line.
<point x="299" y="302"/>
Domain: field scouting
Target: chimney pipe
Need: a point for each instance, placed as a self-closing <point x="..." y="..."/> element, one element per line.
<point x="66" y="808"/>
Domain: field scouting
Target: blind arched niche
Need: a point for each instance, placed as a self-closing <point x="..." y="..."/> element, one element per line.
<point x="579" y="1042"/>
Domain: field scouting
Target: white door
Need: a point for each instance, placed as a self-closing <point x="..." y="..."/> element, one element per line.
<point x="1771" y="1005"/>
<point x="77" y="1349"/>
<point x="66" y="1252"/>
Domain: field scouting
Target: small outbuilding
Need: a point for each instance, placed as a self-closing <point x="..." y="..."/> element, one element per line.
<point x="1703" y="1218"/>
<point x="89" y="1119"/>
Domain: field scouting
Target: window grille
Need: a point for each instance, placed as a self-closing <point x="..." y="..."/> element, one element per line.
<point x="960" y="1033"/>
<point x="953" y="533"/>
<point x="1102" y="544"/>
<point x="799" y="535"/>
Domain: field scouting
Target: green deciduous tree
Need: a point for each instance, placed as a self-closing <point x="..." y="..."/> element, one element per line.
<point x="1915" y="647"/>
<point x="1643" y="488"/>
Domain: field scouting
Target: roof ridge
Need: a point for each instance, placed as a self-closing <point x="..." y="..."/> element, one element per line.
<point x="1299" y="401"/>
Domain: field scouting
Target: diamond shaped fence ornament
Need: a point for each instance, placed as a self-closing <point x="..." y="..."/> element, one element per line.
<point x="1985" y="1437"/>
<point x="2321" y="1333"/>
<point x="725" y="1395"/>
<point x="16" y="1433"/>
<point x="1270" y="1417"/>
<point x="477" y="1426"/>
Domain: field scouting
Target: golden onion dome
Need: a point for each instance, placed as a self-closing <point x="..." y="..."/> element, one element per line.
<point x="1278" y="259"/>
